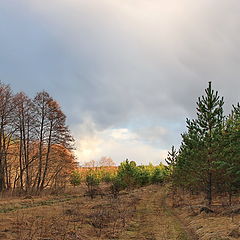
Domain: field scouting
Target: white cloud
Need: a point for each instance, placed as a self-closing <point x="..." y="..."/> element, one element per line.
<point x="121" y="134"/>
<point x="119" y="144"/>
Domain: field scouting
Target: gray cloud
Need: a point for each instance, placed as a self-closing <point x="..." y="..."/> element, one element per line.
<point x="136" y="64"/>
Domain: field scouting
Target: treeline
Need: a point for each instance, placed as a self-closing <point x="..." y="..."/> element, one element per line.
<point x="127" y="176"/>
<point x="209" y="156"/>
<point x="35" y="142"/>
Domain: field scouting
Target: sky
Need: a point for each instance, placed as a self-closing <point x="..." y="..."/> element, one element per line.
<point x="127" y="73"/>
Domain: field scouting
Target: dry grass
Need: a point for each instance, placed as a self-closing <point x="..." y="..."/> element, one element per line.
<point x="153" y="219"/>
<point x="222" y="224"/>
<point x="75" y="218"/>
<point x="142" y="214"/>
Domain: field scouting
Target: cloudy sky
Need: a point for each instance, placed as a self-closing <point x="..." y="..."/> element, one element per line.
<point x="127" y="73"/>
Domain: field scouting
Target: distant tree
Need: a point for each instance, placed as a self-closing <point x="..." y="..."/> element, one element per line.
<point x="91" y="164"/>
<point x="106" y="162"/>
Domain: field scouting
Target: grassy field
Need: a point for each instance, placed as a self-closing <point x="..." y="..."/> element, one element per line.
<point x="143" y="214"/>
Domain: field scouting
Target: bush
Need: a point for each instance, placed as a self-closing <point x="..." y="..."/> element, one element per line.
<point x="142" y="176"/>
<point x="117" y="186"/>
<point x="108" y="177"/>
<point x="134" y="176"/>
<point x="127" y="173"/>
<point x="75" y="178"/>
<point x="92" y="182"/>
<point x="158" y="176"/>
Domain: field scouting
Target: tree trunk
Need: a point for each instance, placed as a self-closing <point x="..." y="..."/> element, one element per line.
<point x="47" y="156"/>
<point x="209" y="189"/>
<point x="40" y="151"/>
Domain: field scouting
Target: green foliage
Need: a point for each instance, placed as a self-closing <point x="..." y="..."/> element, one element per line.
<point x="229" y="148"/>
<point x="127" y="173"/>
<point x="116" y="186"/>
<point x="75" y="178"/>
<point x="127" y="176"/>
<point x="92" y="180"/>
<point x="108" y="177"/>
<point x="158" y="175"/>
<point x="143" y="176"/>
<point x="171" y="160"/>
<point x="208" y="158"/>
<point x="197" y="153"/>
<point x="132" y="175"/>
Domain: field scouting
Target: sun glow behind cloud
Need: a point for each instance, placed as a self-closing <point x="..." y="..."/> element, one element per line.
<point x="119" y="144"/>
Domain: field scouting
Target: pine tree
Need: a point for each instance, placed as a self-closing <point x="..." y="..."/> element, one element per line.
<point x="189" y="170"/>
<point x="210" y="121"/>
<point x="171" y="159"/>
<point x="229" y="149"/>
<point x="197" y="155"/>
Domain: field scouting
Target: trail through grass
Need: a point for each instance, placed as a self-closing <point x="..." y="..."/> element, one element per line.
<point x="154" y="220"/>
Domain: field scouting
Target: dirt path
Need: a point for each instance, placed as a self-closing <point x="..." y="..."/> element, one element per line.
<point x="154" y="220"/>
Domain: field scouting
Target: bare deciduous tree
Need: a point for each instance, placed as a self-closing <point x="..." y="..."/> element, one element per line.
<point x="35" y="142"/>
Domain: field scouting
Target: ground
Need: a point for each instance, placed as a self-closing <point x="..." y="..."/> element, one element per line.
<point x="154" y="220"/>
<point x="142" y="214"/>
